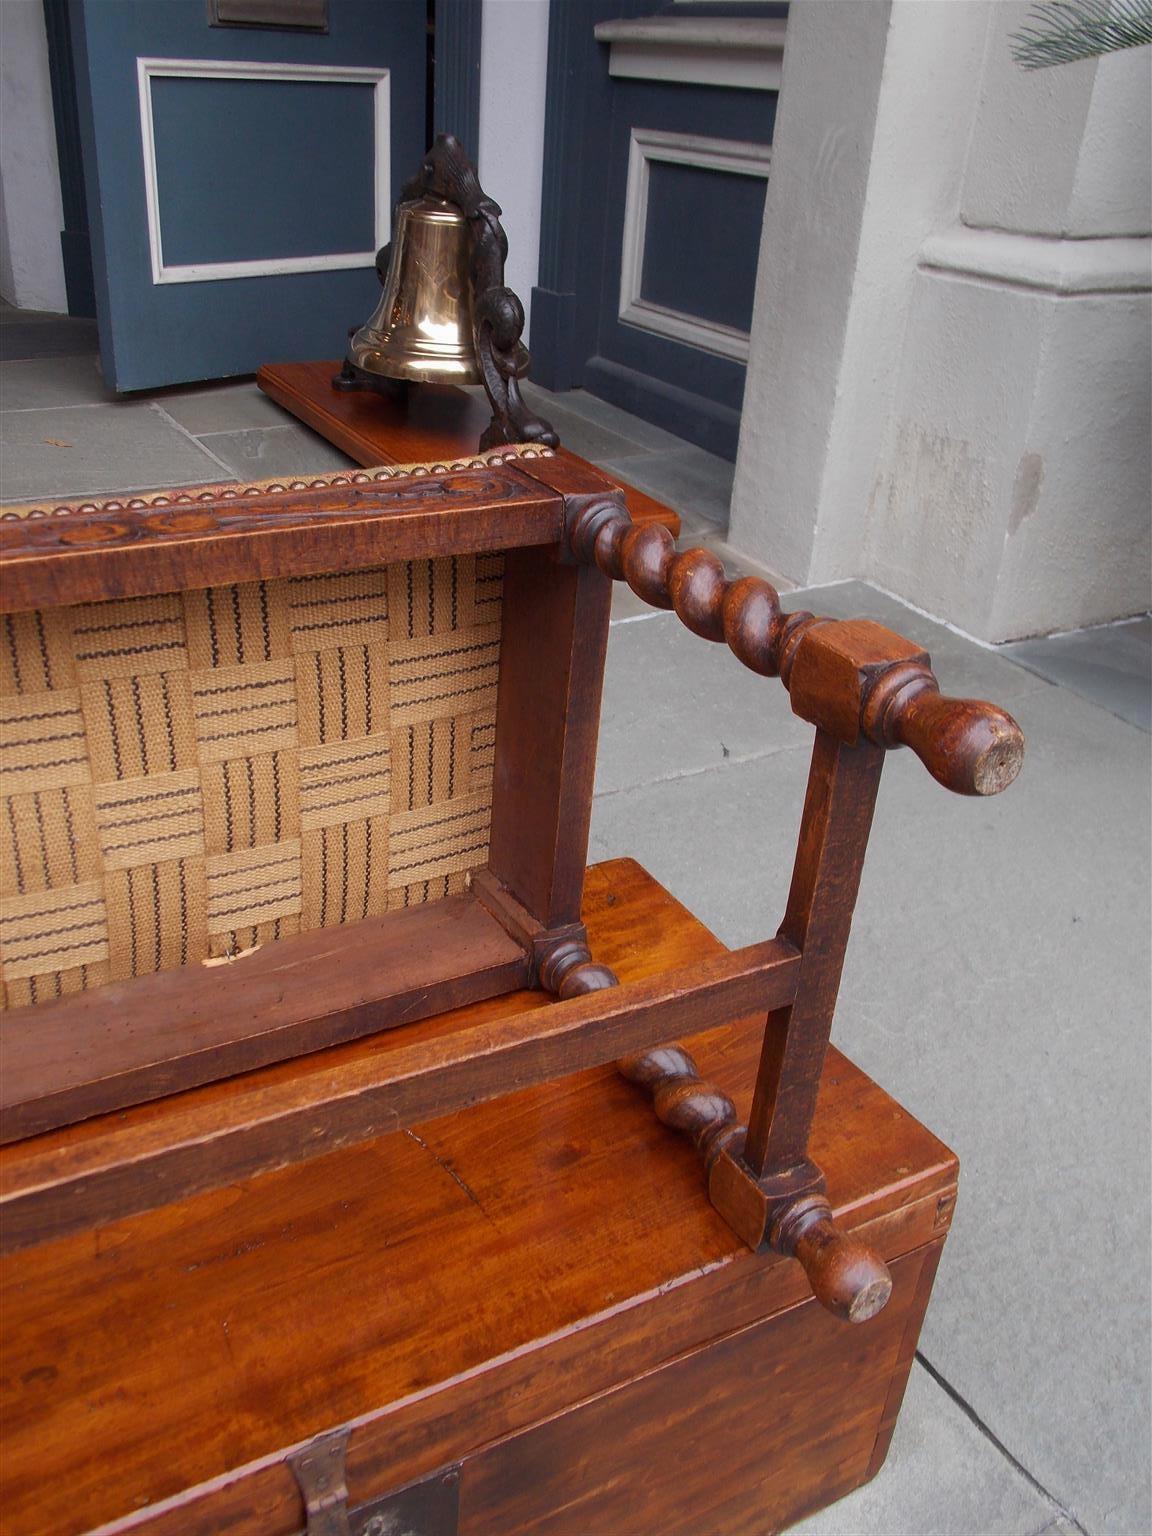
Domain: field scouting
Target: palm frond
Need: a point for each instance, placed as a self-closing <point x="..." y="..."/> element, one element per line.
<point x="1062" y="31"/>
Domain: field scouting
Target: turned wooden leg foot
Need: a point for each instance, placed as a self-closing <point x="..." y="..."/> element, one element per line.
<point x="788" y="1214"/>
<point x="568" y="970"/>
<point x="846" y="1276"/>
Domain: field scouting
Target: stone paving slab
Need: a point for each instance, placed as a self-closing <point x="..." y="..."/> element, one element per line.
<point x="592" y="428"/>
<point x="590" y="439"/>
<point x="969" y="1490"/>
<point x="63" y="452"/>
<point x="694" y="482"/>
<point x="44" y="336"/>
<point x="227" y="408"/>
<point x="288" y="450"/>
<point x="47" y="381"/>
<point x="1108" y="664"/>
<point x="997" y="985"/>
<point x="578" y="402"/>
<point x="964" y="667"/>
<point x="699" y="708"/>
<point x="675" y="704"/>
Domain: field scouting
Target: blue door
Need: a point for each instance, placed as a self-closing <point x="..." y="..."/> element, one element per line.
<point x="240" y="178"/>
<point x="657" y="152"/>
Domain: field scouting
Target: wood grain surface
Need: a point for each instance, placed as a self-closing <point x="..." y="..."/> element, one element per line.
<point x="133" y="1160"/>
<point x="552" y="650"/>
<point x="130" y="1041"/>
<point x="91" y="557"/>
<point x="699" y="1446"/>
<point x="454" y="1284"/>
<point x="437" y="422"/>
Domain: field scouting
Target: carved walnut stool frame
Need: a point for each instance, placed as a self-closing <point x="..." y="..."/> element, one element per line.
<point x="566" y="536"/>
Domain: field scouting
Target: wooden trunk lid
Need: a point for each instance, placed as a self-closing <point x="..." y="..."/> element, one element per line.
<point x="438" y="1289"/>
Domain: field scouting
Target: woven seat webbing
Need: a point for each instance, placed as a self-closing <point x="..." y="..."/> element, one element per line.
<point x="188" y="775"/>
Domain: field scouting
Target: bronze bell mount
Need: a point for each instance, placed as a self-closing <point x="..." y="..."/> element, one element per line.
<point x="445" y="315"/>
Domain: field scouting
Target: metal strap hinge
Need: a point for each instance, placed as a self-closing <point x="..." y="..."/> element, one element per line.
<point x="429" y="1507"/>
<point x="319" y="1472"/>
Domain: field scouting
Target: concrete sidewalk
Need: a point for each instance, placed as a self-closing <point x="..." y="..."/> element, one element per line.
<point x="996" y="985"/>
<point x="998" y="979"/>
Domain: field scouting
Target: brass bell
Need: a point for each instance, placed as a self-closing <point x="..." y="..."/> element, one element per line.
<point x="445" y="315"/>
<point x="421" y="330"/>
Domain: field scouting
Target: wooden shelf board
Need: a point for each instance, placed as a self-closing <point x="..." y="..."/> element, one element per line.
<point x="437" y="423"/>
<point x="132" y="1160"/>
<point x="130" y="1041"/>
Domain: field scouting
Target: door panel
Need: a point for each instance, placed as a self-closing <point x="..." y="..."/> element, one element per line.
<point x="239" y="179"/>
<point x="702" y="233"/>
<point x="280" y="136"/>
<point x="687" y="174"/>
<point x="653" y="203"/>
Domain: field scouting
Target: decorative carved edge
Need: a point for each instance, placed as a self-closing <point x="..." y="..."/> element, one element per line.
<point x="849" y="678"/>
<point x="228" y="490"/>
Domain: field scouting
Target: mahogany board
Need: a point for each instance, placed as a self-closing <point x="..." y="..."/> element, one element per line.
<point x="87" y="557"/>
<point x="437" y="422"/>
<point x="463" y="1282"/>
<point x="128" y="1041"/>
<point x="133" y="1161"/>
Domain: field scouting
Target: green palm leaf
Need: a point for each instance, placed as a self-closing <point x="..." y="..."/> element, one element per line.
<point x="1062" y="31"/>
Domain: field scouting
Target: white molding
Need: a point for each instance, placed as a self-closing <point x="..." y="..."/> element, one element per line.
<point x="744" y="53"/>
<point x="227" y="69"/>
<point x="648" y="144"/>
<point x="1102" y="264"/>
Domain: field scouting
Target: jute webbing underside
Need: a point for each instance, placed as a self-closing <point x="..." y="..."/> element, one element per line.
<point x="186" y="776"/>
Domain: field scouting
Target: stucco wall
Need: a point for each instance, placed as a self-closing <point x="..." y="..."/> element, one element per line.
<point x="953" y="400"/>
<point x="813" y="216"/>
<point x="31" y="216"/>
<point x="510" y="157"/>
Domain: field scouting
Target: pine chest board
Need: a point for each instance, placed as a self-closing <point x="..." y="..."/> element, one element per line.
<point x="524" y="1314"/>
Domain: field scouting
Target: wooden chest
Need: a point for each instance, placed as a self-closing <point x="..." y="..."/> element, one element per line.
<point x="521" y="1317"/>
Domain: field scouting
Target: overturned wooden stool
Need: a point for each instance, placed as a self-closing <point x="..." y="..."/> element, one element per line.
<point x="286" y="766"/>
<point x="216" y="700"/>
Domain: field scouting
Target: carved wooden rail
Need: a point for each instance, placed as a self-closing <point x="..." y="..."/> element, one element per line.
<point x="845" y="1275"/>
<point x="854" y="679"/>
<point x="865" y="690"/>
